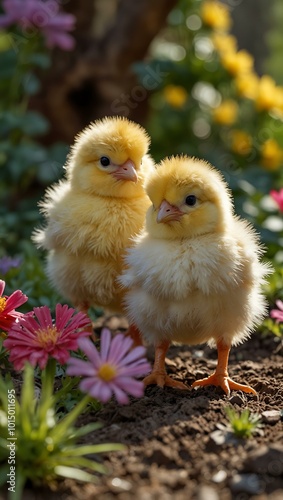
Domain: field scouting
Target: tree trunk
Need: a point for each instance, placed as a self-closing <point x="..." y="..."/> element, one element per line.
<point x="97" y="79"/>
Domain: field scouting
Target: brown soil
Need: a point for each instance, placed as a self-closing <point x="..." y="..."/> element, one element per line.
<point x="177" y="444"/>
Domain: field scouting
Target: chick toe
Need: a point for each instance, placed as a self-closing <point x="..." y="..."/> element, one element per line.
<point x="161" y="379"/>
<point x="223" y="381"/>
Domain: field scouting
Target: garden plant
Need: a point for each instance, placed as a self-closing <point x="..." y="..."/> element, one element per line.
<point x="73" y="406"/>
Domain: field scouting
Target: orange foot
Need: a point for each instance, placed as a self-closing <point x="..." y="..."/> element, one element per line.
<point x="161" y="379"/>
<point x="225" y="382"/>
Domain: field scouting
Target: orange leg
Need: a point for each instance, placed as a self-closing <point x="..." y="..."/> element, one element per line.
<point x="158" y="375"/>
<point x="220" y="376"/>
<point x="135" y="334"/>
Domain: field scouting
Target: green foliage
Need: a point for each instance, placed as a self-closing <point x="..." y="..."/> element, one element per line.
<point x="46" y="446"/>
<point x="275" y="42"/>
<point x="26" y="166"/>
<point x="243" y="424"/>
<point x="30" y="277"/>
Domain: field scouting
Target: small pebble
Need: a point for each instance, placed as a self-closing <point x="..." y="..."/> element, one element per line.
<point x="218" y="437"/>
<point x="197" y="354"/>
<point x="236" y="400"/>
<point x="120" y="484"/>
<point x="249" y="483"/>
<point x="207" y="493"/>
<point x="271" y="416"/>
<point x="219" y="476"/>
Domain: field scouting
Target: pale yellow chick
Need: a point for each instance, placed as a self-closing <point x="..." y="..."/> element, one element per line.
<point x="194" y="274"/>
<point x="92" y="215"/>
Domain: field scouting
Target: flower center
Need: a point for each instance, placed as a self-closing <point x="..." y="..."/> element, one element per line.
<point x="2" y="304"/>
<point x="47" y="337"/>
<point x="107" y="372"/>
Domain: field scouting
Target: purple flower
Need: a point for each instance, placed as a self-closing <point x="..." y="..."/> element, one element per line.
<point x="277" y="313"/>
<point x="42" y="15"/>
<point x="113" y="371"/>
<point x="7" y="263"/>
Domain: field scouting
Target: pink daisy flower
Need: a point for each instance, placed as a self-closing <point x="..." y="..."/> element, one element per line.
<point x="113" y="370"/>
<point x="43" y="15"/>
<point x="278" y="197"/>
<point x="36" y="338"/>
<point x="8" y="305"/>
<point x="277" y="313"/>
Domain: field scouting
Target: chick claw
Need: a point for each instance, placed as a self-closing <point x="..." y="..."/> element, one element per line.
<point x="225" y="382"/>
<point x="162" y="379"/>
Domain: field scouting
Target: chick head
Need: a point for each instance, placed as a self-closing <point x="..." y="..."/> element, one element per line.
<point x="189" y="198"/>
<point x="106" y="157"/>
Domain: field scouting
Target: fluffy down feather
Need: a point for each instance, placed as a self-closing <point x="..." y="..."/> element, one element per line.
<point x="194" y="274"/>
<point x="94" y="212"/>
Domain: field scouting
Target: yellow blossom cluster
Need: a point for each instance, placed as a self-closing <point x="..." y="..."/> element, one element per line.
<point x="226" y="113"/>
<point x="262" y="91"/>
<point x="241" y="142"/>
<point x="175" y="95"/>
<point x="215" y="15"/>
<point x="271" y="155"/>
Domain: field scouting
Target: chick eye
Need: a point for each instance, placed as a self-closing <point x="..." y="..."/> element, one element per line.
<point x="104" y="161"/>
<point x="191" y="200"/>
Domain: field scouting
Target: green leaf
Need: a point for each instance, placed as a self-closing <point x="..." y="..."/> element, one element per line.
<point x="41" y="60"/>
<point x="86" y="429"/>
<point x="34" y="124"/>
<point x="31" y="84"/>
<point x="74" y="473"/>
<point x="92" y="449"/>
<point x="67" y="421"/>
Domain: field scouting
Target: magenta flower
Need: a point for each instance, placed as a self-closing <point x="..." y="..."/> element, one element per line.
<point x="41" y="15"/>
<point x="113" y="371"/>
<point x="278" y="197"/>
<point x="8" y="315"/>
<point x="36" y="338"/>
<point x="277" y="313"/>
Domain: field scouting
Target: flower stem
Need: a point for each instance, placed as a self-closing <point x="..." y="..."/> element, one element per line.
<point x="47" y="387"/>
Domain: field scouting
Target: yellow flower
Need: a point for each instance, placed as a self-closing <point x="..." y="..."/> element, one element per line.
<point x="267" y="94"/>
<point x="237" y="63"/>
<point x="271" y="155"/>
<point x="226" y="113"/>
<point x="216" y="15"/>
<point x="241" y="142"/>
<point x="279" y="99"/>
<point x="224" y="43"/>
<point x="247" y="85"/>
<point x="175" y="95"/>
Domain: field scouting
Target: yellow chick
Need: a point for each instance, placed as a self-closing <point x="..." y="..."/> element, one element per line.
<point x="194" y="274"/>
<point x="92" y="215"/>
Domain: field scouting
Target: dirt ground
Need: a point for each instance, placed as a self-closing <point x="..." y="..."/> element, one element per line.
<point x="177" y="443"/>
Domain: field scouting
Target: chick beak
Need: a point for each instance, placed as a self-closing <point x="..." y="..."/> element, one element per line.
<point x="167" y="213"/>
<point x="126" y="172"/>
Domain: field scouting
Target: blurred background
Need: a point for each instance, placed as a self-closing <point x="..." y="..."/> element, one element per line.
<point x="205" y="78"/>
